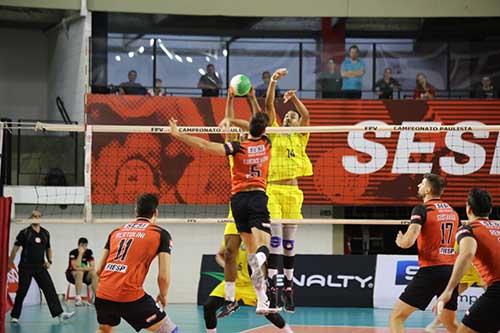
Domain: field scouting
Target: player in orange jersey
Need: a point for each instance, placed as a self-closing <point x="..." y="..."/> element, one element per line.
<point x="251" y="159"/>
<point x="128" y="253"/>
<point x="479" y="243"/>
<point x="433" y="226"/>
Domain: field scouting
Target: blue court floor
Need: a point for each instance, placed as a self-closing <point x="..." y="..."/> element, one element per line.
<point x="189" y="318"/>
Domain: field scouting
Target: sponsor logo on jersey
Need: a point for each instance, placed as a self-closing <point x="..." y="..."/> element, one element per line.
<point x="119" y="268"/>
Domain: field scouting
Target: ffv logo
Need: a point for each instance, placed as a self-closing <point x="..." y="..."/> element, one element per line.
<point x="338" y="281"/>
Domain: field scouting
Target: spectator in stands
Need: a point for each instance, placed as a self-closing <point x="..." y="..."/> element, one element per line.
<point x="158" y="90"/>
<point x="352" y="71"/>
<point x="485" y="89"/>
<point x="386" y="86"/>
<point x="81" y="269"/>
<point x="261" y="89"/>
<point x="210" y="83"/>
<point x="330" y="82"/>
<point x="131" y="87"/>
<point x="424" y="89"/>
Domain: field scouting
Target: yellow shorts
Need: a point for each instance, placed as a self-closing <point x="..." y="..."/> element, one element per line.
<point x="245" y="293"/>
<point x="230" y="228"/>
<point x="285" y="201"/>
<point x="472" y="277"/>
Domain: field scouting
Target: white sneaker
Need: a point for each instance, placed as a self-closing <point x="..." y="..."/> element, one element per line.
<point x="79" y="302"/>
<point x="66" y="315"/>
<point x="14" y="320"/>
<point x="262" y="307"/>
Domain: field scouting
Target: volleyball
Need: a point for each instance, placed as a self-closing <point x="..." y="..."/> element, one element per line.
<point x="241" y="84"/>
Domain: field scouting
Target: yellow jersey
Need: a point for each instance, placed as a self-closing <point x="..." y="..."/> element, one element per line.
<point x="289" y="158"/>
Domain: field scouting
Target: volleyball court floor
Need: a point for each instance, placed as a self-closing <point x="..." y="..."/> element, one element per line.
<point x="189" y="318"/>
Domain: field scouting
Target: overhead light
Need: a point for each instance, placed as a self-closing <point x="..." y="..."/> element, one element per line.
<point x="189" y="59"/>
<point x="118" y="58"/>
<point x="141" y="49"/>
<point x="224" y="53"/>
<point x="152" y="57"/>
<point x="130" y="54"/>
<point x="178" y="58"/>
<point x="151" y="42"/>
<point x="201" y="71"/>
<point x="207" y="58"/>
<point x="167" y="52"/>
<point x="159" y="40"/>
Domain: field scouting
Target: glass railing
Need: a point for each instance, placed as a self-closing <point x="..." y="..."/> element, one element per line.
<point x="455" y="70"/>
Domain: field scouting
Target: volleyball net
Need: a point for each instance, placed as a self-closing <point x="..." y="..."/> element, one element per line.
<point x="367" y="164"/>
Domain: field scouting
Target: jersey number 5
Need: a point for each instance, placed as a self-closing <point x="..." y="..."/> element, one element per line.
<point x="255" y="171"/>
<point x="446" y="232"/>
<point x="123" y="249"/>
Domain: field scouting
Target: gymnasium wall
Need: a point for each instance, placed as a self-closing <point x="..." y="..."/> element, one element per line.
<point x="190" y="243"/>
<point x="23" y="74"/>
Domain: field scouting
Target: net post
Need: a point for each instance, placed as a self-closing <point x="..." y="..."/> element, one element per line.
<point x="87" y="175"/>
<point x="2" y="124"/>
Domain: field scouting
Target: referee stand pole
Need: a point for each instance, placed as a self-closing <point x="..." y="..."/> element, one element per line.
<point x="5" y="207"/>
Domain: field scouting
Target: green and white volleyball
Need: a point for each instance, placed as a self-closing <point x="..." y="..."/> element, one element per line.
<point x="241" y="84"/>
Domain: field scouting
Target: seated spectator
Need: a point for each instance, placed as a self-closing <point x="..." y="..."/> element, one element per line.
<point x="81" y="269"/>
<point x="158" y="90"/>
<point x="210" y="83"/>
<point x="131" y="87"/>
<point x="424" y="89"/>
<point x="352" y="71"/>
<point x="261" y="89"/>
<point x="330" y="82"/>
<point x="386" y="86"/>
<point x="485" y="89"/>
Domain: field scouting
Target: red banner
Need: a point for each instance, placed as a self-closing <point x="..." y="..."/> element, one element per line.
<point x="356" y="168"/>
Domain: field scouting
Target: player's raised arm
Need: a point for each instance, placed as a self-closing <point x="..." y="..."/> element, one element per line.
<point x="196" y="142"/>
<point x="254" y="104"/>
<point x="271" y="92"/>
<point x="229" y="119"/>
<point x="291" y="95"/>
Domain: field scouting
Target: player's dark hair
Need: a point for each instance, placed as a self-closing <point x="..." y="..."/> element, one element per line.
<point x="437" y="183"/>
<point x="258" y="124"/>
<point x="146" y="205"/>
<point x="82" y="240"/>
<point x="354" y="47"/>
<point x="480" y="202"/>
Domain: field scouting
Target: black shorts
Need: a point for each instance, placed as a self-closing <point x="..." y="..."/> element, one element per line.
<point x="140" y="314"/>
<point x="427" y="283"/>
<point x="250" y="211"/>
<point x="71" y="278"/>
<point x="480" y="317"/>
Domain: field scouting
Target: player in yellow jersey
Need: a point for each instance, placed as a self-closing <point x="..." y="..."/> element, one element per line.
<point x="232" y="238"/>
<point x="289" y="162"/>
<point x="244" y="292"/>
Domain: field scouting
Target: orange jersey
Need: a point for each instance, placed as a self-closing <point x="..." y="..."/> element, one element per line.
<point x="439" y="223"/>
<point x="250" y="163"/>
<point x="487" y="235"/>
<point x="132" y="248"/>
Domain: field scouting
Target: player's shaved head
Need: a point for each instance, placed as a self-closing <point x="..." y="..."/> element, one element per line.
<point x="436" y="183"/>
<point x="479" y="202"/>
<point x="146" y="205"/>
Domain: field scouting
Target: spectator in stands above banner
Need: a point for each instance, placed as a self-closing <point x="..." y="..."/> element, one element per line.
<point x="424" y="89"/>
<point x="352" y="71"/>
<point x="485" y="89"/>
<point x="158" y="90"/>
<point x="330" y="81"/>
<point x="261" y="89"/>
<point x="131" y="87"/>
<point x="386" y="86"/>
<point x="210" y="82"/>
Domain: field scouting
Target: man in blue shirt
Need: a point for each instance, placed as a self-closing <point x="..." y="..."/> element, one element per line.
<point x="352" y="72"/>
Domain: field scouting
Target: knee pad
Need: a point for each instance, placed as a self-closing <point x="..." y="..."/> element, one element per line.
<point x="288" y="244"/>
<point x="276" y="241"/>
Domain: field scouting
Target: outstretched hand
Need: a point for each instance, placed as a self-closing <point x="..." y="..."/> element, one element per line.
<point x="173" y="127"/>
<point x="289" y="95"/>
<point x="279" y="73"/>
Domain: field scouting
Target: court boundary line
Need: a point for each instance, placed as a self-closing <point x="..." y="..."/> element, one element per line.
<point x="292" y="325"/>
